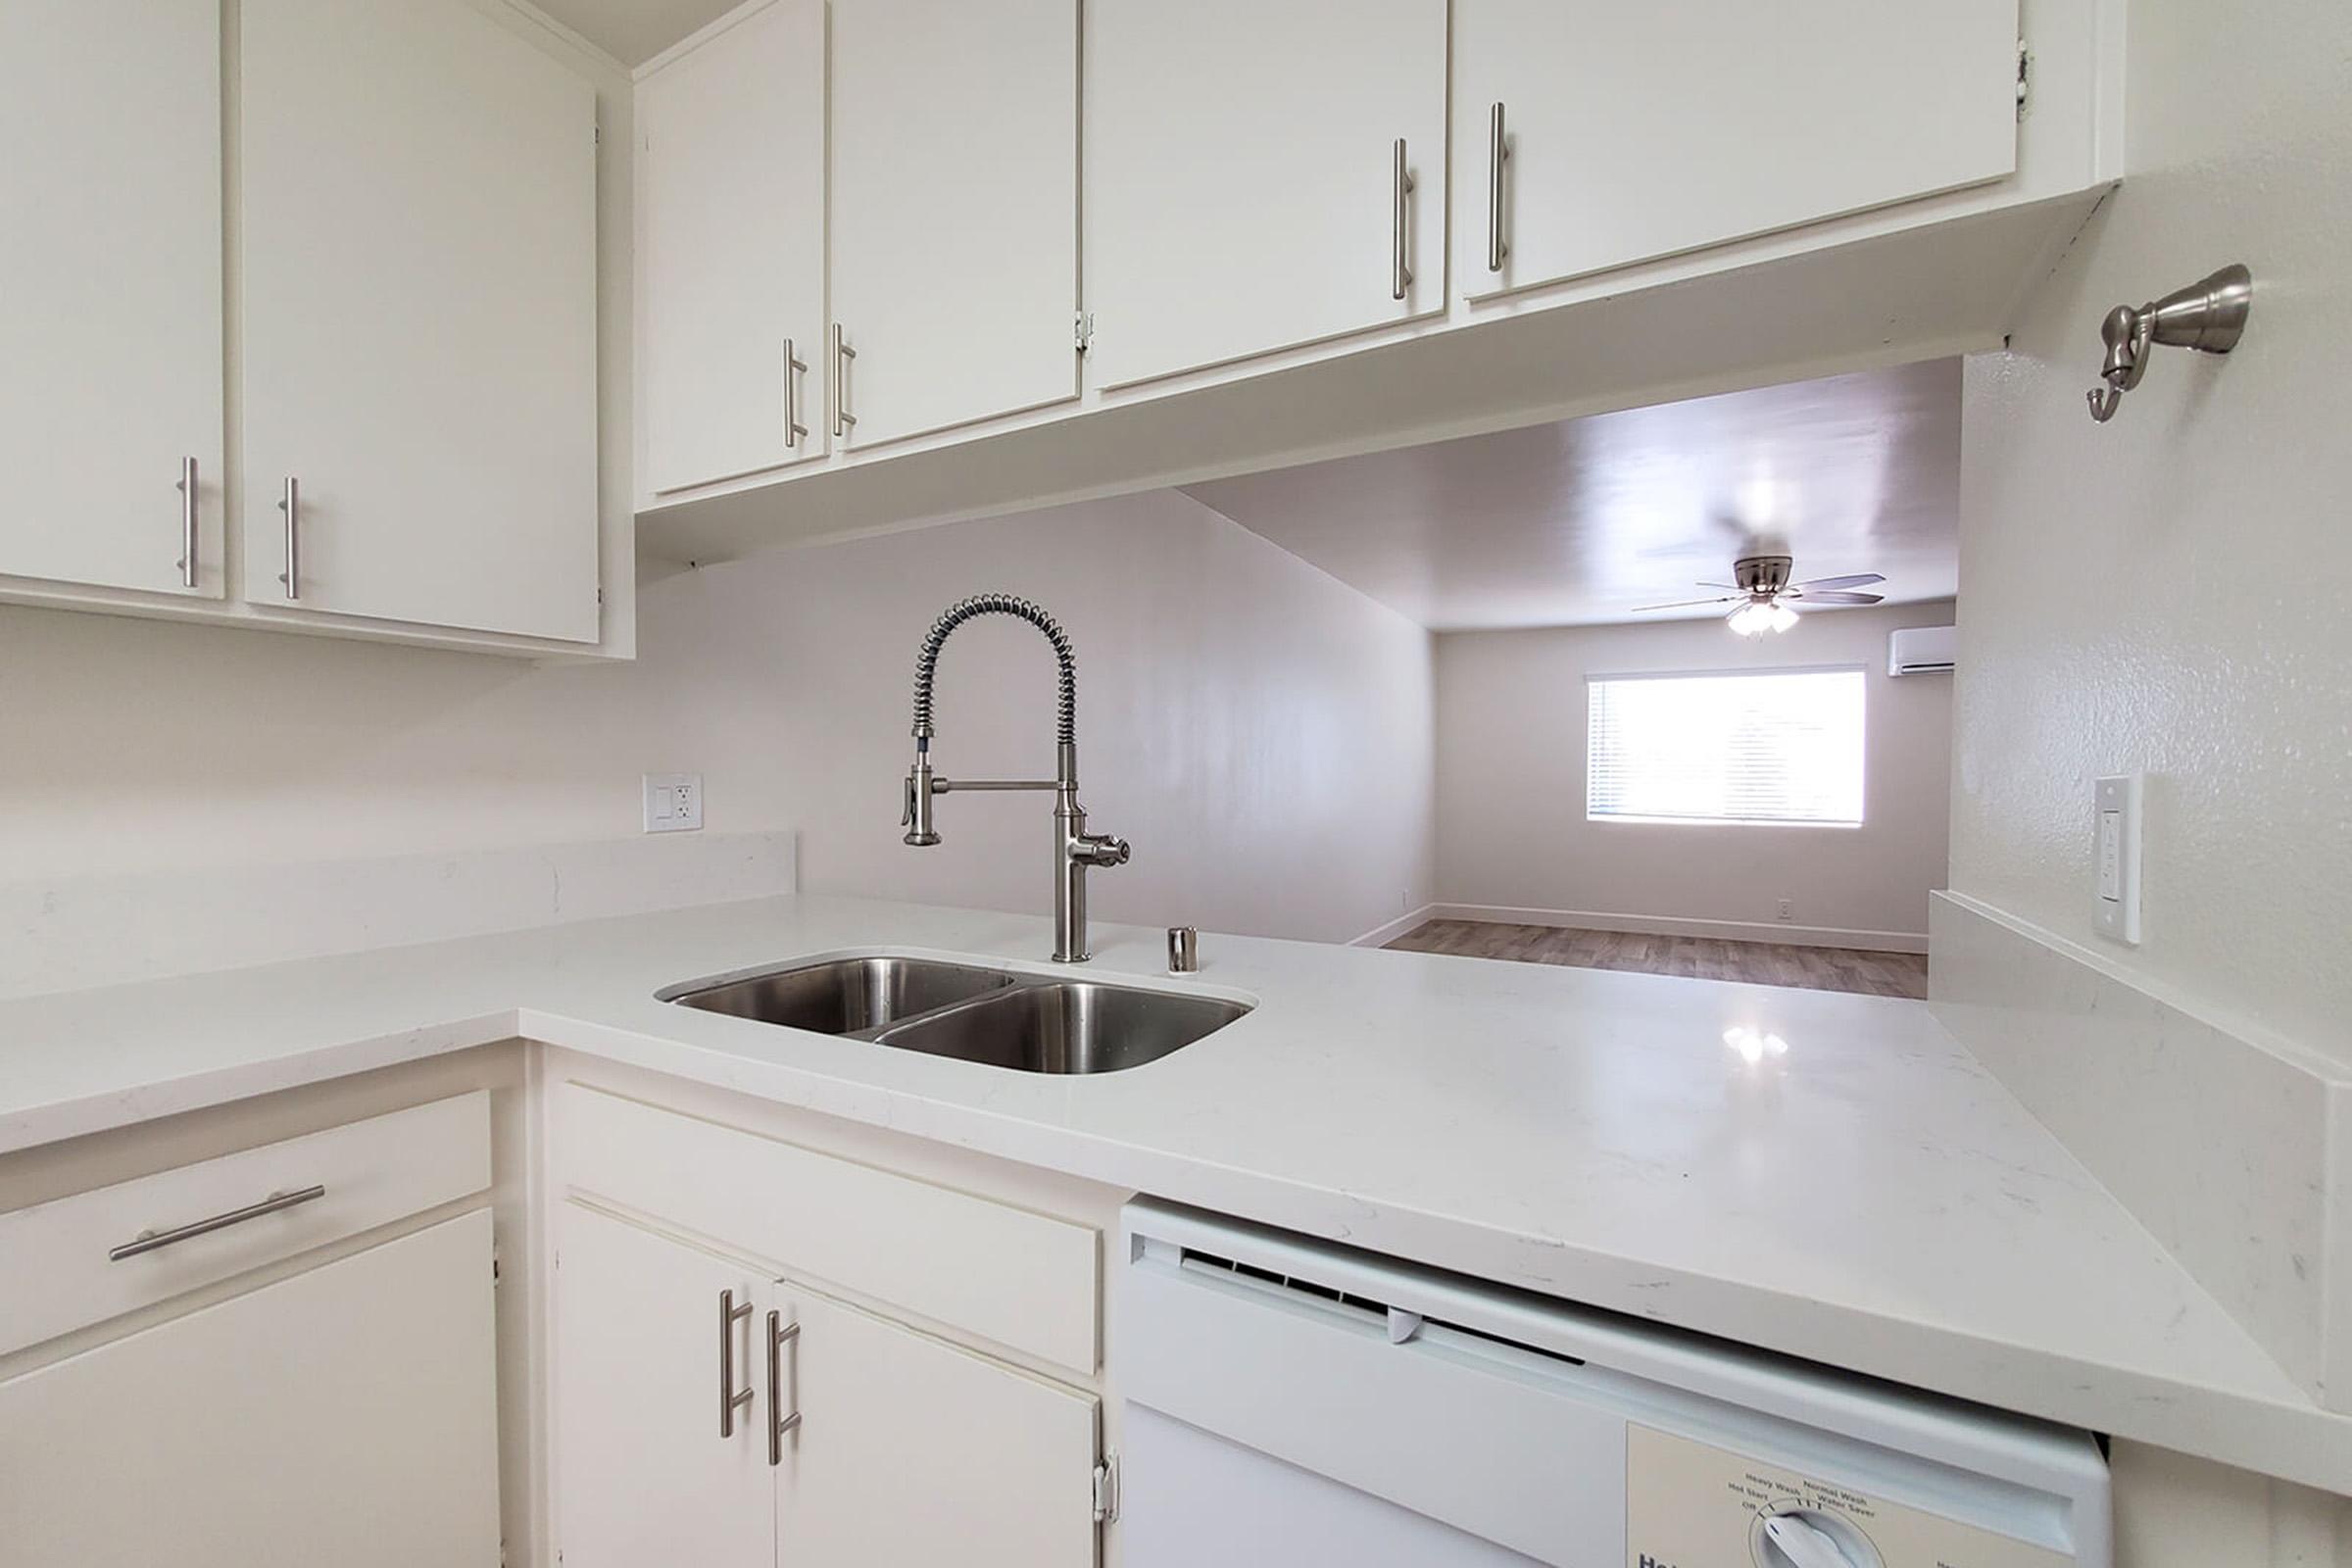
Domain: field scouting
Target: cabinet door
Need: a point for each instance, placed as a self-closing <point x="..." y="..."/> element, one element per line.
<point x="347" y="1415"/>
<point x="109" y="289"/>
<point x="1641" y="130"/>
<point x="418" y="350"/>
<point x="912" y="1450"/>
<point x="954" y="208"/>
<point x="642" y="1471"/>
<point x="1241" y="184"/>
<point x="731" y="250"/>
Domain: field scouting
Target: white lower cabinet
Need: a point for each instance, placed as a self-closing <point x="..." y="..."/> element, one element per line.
<point x="642" y="1346"/>
<point x="345" y="1415"/>
<point x="707" y="1411"/>
<point x="911" y="1449"/>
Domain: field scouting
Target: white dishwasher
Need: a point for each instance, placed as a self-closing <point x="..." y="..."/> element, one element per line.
<point x="1299" y="1403"/>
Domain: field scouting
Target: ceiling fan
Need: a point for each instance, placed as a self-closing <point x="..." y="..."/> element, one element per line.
<point x="1767" y="600"/>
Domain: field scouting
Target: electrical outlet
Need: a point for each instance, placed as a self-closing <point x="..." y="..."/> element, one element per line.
<point x="673" y="803"/>
<point x="1787" y="909"/>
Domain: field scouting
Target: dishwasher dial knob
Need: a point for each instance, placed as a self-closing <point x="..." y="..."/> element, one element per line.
<point x="1806" y="1538"/>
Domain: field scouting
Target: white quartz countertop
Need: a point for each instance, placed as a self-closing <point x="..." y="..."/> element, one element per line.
<point x="1869" y="1198"/>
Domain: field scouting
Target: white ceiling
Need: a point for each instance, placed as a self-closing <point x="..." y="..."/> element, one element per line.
<point x="1575" y="523"/>
<point x="633" y="32"/>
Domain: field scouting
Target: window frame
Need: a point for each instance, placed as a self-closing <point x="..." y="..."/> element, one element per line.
<point x="1617" y="819"/>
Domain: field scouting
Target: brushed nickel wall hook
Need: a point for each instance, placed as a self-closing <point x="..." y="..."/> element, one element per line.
<point x="2209" y="316"/>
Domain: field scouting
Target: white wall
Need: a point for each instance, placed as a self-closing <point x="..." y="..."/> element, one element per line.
<point x="1259" y="732"/>
<point x="1511" y="827"/>
<point x="2166" y="591"/>
<point x="2163" y="592"/>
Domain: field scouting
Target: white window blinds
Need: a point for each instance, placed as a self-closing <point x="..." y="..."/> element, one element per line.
<point x="1777" y="746"/>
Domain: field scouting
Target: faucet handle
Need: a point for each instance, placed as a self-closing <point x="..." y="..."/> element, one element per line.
<point x="1101" y="848"/>
<point x="915" y="818"/>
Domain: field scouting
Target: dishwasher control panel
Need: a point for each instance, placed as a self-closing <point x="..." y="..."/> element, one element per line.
<point x="1690" y="1504"/>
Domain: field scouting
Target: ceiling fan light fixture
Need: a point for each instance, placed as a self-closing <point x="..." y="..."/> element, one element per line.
<point x="1760" y="615"/>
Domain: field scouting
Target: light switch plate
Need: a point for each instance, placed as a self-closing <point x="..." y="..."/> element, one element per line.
<point x="673" y="803"/>
<point x="2115" y="856"/>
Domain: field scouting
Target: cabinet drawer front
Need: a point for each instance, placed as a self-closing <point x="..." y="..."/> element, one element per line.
<point x="1023" y="1280"/>
<point x="372" y="1173"/>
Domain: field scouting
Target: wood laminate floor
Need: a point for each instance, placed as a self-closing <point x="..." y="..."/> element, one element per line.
<point x="1768" y="964"/>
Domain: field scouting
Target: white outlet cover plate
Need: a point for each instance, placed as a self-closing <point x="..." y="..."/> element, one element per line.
<point x="673" y="803"/>
<point x="2115" y="856"/>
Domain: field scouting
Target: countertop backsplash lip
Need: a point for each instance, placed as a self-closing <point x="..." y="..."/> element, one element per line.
<point x="77" y="934"/>
<point x="1872" y="1199"/>
<point x="2218" y="1142"/>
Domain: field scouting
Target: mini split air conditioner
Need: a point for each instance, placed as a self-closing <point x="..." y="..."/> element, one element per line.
<point x="1923" y="650"/>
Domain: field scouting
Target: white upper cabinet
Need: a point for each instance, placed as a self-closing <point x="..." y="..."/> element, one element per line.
<point x="418" y="351"/>
<point x="955" y="211"/>
<point x="1635" y="131"/>
<point x="1242" y="185"/>
<point x="110" y="291"/>
<point x="731" y="251"/>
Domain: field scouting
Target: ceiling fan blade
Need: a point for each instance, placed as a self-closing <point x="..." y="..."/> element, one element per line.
<point x="1732" y="586"/>
<point x="1689" y="603"/>
<point x="1724" y="522"/>
<point x="1860" y="579"/>
<point x="1802" y="599"/>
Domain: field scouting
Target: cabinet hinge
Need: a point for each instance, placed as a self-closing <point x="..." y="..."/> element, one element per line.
<point x="1082" y="330"/>
<point x="2025" y="76"/>
<point x="1106" y="1489"/>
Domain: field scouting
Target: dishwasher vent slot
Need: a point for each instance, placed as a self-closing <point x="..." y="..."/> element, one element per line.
<point x="1402" y="1323"/>
<point x="1191" y="1258"/>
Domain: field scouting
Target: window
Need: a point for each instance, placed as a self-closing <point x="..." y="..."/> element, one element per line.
<point x="1777" y="746"/>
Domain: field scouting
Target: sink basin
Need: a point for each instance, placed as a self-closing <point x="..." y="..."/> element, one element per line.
<point x="997" y="1018"/>
<point x="842" y="995"/>
<point x="1066" y="1026"/>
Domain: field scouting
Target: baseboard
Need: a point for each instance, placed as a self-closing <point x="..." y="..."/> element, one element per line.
<point x="1663" y="925"/>
<point x="1380" y="936"/>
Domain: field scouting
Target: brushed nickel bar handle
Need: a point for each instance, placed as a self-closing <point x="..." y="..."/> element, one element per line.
<point x="794" y="429"/>
<point x="153" y="1240"/>
<point x="1499" y="152"/>
<point x="843" y="354"/>
<point x="187" y="523"/>
<point x="291" y="504"/>
<point x="1400" y="185"/>
<point x="729" y="1401"/>
<point x="779" y="1335"/>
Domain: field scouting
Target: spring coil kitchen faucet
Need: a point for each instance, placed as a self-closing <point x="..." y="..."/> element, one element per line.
<point x="1075" y="848"/>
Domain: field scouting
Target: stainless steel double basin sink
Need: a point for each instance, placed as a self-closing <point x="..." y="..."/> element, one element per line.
<point x="998" y="1017"/>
